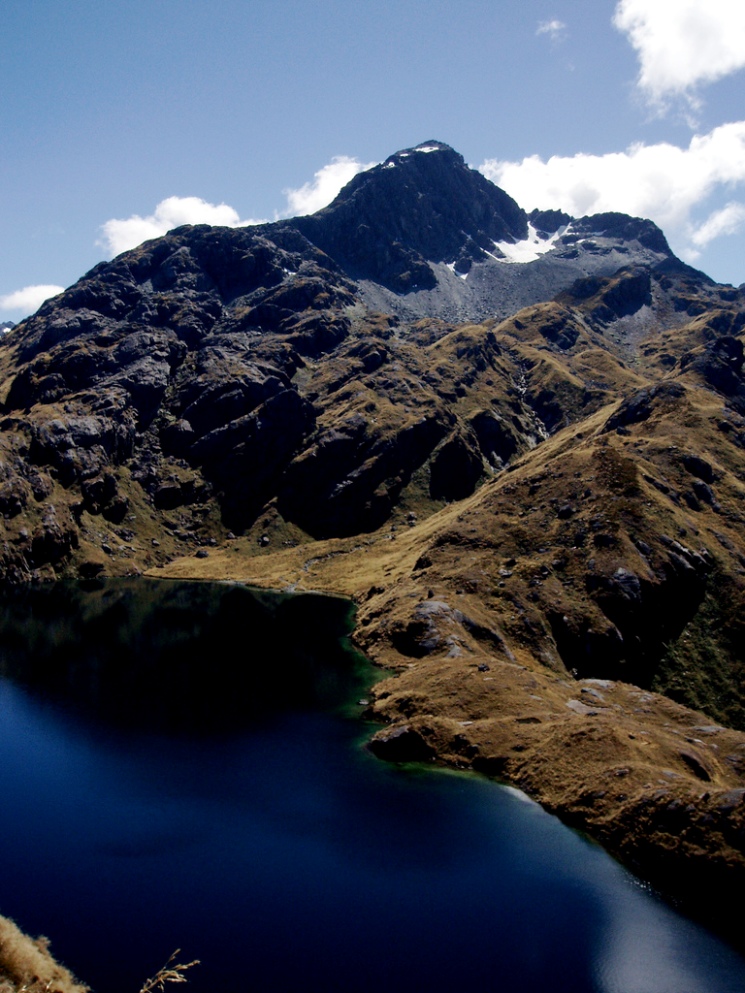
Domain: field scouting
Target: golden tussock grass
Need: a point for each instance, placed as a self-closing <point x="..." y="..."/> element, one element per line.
<point x="26" y="965"/>
<point x="171" y="972"/>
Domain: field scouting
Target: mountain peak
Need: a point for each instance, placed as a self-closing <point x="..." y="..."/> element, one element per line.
<point x="422" y="205"/>
<point x="425" y="147"/>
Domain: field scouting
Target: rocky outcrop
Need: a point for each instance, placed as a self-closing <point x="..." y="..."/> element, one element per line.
<point x="421" y="205"/>
<point x="216" y="366"/>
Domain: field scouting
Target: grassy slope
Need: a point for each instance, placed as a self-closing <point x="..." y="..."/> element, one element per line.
<point x="464" y="606"/>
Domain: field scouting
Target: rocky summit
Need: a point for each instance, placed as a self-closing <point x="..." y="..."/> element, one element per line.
<point x="516" y="439"/>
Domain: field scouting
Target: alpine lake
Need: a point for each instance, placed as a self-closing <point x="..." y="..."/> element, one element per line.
<point x="182" y="765"/>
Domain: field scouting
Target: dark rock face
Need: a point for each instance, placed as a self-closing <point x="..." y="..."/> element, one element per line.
<point x="645" y="616"/>
<point x="246" y="367"/>
<point x="456" y="469"/>
<point x="640" y="405"/>
<point x="560" y="332"/>
<point x="497" y="440"/>
<point x="614" y="225"/>
<point x="401" y="744"/>
<point x="421" y="205"/>
<point x="181" y="349"/>
<point x="720" y="365"/>
<point x="625" y="296"/>
<point x="548" y="222"/>
<point x="351" y="481"/>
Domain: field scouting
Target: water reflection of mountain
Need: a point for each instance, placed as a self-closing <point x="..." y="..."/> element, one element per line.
<point x="180" y="655"/>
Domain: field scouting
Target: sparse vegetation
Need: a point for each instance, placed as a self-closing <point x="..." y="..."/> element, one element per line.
<point x="27" y="966"/>
<point x="171" y="972"/>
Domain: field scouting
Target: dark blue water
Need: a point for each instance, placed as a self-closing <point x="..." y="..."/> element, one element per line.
<point x="287" y="858"/>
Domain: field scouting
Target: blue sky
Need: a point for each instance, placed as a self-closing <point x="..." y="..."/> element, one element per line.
<point x="120" y="120"/>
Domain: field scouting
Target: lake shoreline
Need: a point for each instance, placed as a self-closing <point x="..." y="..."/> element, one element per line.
<point x="659" y="785"/>
<point x="556" y="739"/>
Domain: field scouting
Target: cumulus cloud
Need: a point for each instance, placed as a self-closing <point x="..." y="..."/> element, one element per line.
<point x="556" y="30"/>
<point x="663" y="182"/>
<point x="30" y="298"/>
<point x="323" y="188"/>
<point x="120" y="234"/>
<point x="729" y="220"/>
<point x="682" y="44"/>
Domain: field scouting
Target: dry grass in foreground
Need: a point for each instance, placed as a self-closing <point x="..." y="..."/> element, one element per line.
<point x="171" y="972"/>
<point x="26" y="965"/>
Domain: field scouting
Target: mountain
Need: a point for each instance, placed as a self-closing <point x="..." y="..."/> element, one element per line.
<point x="517" y="440"/>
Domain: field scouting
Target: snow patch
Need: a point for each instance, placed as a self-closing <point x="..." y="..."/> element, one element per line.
<point x="529" y="249"/>
<point x="451" y="267"/>
<point x="427" y="148"/>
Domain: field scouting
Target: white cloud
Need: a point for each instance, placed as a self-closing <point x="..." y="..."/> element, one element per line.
<point x="324" y="186"/>
<point x="555" y="29"/>
<point x="30" y="298"/>
<point x="729" y="220"/>
<point x="663" y="182"/>
<point x="660" y="181"/>
<point x="122" y="234"/>
<point x="682" y="44"/>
